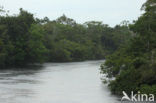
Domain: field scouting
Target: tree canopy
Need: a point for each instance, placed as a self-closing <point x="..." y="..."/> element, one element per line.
<point x="25" y="39"/>
<point x="133" y="64"/>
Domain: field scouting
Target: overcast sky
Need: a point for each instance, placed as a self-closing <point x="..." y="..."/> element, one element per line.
<point x="111" y="12"/>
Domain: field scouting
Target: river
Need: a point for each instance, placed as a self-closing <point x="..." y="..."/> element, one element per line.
<point x="76" y="82"/>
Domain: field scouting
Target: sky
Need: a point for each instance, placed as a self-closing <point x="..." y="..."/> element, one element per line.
<point x="111" y="12"/>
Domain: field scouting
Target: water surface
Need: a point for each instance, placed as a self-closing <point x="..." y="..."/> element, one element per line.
<point x="77" y="82"/>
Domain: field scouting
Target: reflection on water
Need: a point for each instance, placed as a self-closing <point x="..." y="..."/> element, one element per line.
<point x="77" y="82"/>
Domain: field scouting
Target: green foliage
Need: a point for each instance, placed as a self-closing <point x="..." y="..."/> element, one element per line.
<point x="68" y="41"/>
<point x="148" y="89"/>
<point x="133" y="64"/>
<point x="20" y="40"/>
<point x="121" y="84"/>
<point x="35" y="47"/>
<point x="25" y="40"/>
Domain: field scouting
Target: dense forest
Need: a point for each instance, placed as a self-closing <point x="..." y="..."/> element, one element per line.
<point x="26" y="40"/>
<point x="129" y="49"/>
<point x="133" y="66"/>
